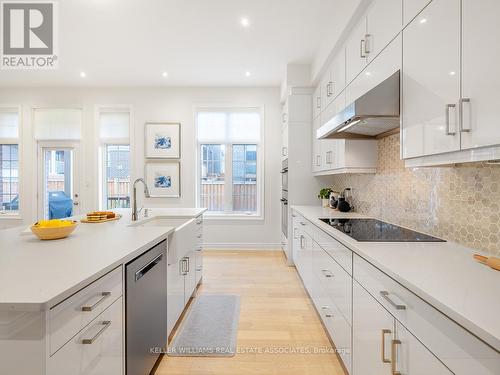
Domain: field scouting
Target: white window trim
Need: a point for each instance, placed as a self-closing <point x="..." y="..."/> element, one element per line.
<point x="101" y="146"/>
<point x="16" y="215"/>
<point x="221" y="216"/>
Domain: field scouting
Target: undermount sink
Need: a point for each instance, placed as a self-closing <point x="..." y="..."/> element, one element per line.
<point x="162" y="221"/>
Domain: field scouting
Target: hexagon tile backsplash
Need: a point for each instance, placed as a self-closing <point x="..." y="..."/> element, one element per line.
<point x="460" y="203"/>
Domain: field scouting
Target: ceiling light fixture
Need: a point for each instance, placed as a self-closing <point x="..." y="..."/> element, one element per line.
<point x="452" y="73"/>
<point x="83" y="74"/>
<point x="165" y="74"/>
<point x="247" y="74"/>
<point x="423" y="20"/>
<point x="245" y="22"/>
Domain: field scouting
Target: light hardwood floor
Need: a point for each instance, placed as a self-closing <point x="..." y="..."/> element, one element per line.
<point x="275" y="313"/>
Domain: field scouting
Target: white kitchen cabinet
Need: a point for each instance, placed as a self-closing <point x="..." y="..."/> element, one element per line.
<point x="373" y="329"/>
<point x="430" y="81"/>
<point x="184" y="268"/>
<point x="411" y="8"/>
<point x="355" y="53"/>
<point x="385" y="65"/>
<point x="411" y="357"/>
<point x="326" y="85"/>
<point x="382" y="25"/>
<point x="304" y="255"/>
<point x="317" y="161"/>
<point x="337" y="73"/>
<point x="316" y="104"/>
<point x="480" y="73"/>
<point x="96" y="350"/>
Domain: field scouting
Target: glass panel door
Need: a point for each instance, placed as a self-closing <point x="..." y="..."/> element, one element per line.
<point x="58" y="191"/>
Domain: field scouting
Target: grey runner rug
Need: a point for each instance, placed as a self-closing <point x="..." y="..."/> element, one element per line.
<point x="209" y="329"/>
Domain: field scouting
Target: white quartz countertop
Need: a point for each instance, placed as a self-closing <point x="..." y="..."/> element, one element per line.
<point x="442" y="273"/>
<point x="36" y="275"/>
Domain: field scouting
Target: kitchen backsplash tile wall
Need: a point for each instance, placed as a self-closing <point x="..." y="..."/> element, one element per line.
<point x="459" y="203"/>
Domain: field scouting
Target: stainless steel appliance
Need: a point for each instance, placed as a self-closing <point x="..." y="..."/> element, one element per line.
<point x="372" y="230"/>
<point x="284" y="213"/>
<point x="372" y="114"/>
<point x="146" y="309"/>
<point x="284" y="175"/>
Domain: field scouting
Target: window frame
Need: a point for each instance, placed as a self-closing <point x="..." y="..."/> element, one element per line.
<point x="102" y="146"/>
<point x="15" y="215"/>
<point x="228" y="178"/>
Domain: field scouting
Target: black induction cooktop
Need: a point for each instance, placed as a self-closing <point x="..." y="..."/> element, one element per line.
<point x="372" y="230"/>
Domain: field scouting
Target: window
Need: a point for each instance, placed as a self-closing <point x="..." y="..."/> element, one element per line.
<point x="115" y="158"/>
<point x="9" y="161"/>
<point x="230" y="181"/>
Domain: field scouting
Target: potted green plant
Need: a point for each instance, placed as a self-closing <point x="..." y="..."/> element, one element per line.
<point x="324" y="195"/>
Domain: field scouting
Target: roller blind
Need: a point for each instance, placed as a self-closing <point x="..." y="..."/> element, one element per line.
<point x="229" y="126"/>
<point x="57" y="124"/>
<point x="114" y="126"/>
<point x="9" y="123"/>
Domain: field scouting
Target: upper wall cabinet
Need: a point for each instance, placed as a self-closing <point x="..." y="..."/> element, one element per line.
<point x="316" y="105"/>
<point x="372" y="34"/>
<point x="383" y="23"/>
<point x="431" y="86"/>
<point x="355" y="51"/>
<point x="450" y="83"/>
<point x="411" y="8"/>
<point x="333" y="82"/>
<point x="386" y="64"/>
<point x="480" y="73"/>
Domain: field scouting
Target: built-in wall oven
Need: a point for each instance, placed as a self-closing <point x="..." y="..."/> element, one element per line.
<point x="284" y="175"/>
<point x="284" y="198"/>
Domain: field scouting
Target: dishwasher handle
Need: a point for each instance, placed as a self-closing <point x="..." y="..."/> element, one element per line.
<point x="148" y="267"/>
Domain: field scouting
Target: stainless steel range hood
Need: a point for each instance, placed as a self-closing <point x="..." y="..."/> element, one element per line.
<point x="374" y="113"/>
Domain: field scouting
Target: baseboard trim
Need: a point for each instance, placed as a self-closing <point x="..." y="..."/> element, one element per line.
<point x="241" y="246"/>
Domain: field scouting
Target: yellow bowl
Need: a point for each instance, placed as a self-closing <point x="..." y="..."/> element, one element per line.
<point x="53" y="233"/>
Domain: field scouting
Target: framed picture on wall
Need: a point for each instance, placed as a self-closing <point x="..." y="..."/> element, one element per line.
<point x="163" y="179"/>
<point x="162" y="140"/>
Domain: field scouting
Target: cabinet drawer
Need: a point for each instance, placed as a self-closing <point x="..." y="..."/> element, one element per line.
<point x="96" y="350"/>
<point x="70" y="316"/>
<point x="341" y="254"/>
<point x="336" y="282"/>
<point x="458" y="349"/>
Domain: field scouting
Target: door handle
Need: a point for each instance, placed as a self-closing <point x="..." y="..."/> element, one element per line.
<point x="106" y="324"/>
<point x="76" y="203"/>
<point x="104" y="295"/>
<point x="362" y="51"/>
<point x="385" y="332"/>
<point x="394" y="351"/>
<point x="464" y="114"/>
<point x="448" y="128"/>
<point x="385" y="295"/>
<point x="148" y="267"/>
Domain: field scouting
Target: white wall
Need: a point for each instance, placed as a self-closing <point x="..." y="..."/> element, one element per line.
<point x="157" y="104"/>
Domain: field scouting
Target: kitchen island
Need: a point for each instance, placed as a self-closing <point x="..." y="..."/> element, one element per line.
<point x="50" y="291"/>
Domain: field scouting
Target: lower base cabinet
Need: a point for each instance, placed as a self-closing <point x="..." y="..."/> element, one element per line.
<point x="96" y="350"/>
<point x="381" y="345"/>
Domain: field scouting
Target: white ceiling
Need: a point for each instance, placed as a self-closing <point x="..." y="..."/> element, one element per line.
<point x="198" y="42"/>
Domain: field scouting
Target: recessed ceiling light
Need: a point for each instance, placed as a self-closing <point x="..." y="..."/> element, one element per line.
<point x="245" y="22"/>
<point x="248" y="74"/>
<point x="452" y="73"/>
<point x="368" y="73"/>
<point x="83" y="74"/>
<point x="423" y="20"/>
<point x="165" y="74"/>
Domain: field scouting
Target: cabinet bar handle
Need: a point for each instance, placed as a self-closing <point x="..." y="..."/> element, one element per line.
<point x="318" y="160"/>
<point x="90" y="341"/>
<point x="464" y="129"/>
<point x="448" y="128"/>
<point x="318" y="102"/>
<point x="301" y="241"/>
<point x="385" y="295"/>
<point x="104" y="295"/>
<point x="367" y="44"/>
<point x="327" y="273"/>
<point x="385" y="332"/>
<point x="362" y="51"/>
<point x="394" y="352"/>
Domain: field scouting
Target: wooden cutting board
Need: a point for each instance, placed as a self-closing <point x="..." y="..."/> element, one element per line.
<point x="117" y="217"/>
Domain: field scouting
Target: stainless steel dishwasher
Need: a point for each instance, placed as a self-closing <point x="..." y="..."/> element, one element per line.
<point x="146" y="309"/>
